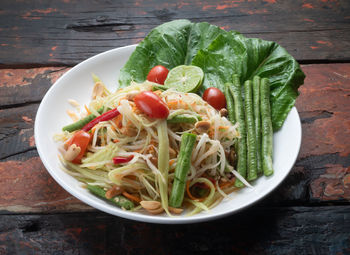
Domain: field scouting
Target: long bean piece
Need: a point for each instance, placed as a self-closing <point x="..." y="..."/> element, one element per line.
<point x="266" y="127"/>
<point x="81" y="123"/>
<point x="257" y="118"/>
<point x="250" y="125"/>
<point x="229" y="103"/>
<point x="241" y="147"/>
<point x="182" y="167"/>
<point x="119" y="201"/>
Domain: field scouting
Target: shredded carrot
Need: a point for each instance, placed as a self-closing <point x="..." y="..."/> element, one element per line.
<point x="223" y="127"/>
<point x="171" y="162"/>
<point x="227" y="184"/>
<point x="115" y="140"/>
<point x="172" y="104"/>
<point x="131" y="197"/>
<point x="118" y="121"/>
<point x="153" y="142"/>
<point x="190" y="195"/>
<point x="87" y="109"/>
<point x="136" y="110"/>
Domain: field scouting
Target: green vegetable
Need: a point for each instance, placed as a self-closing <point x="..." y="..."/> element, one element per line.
<point x="248" y="57"/>
<point x="250" y="125"/>
<point x="159" y="87"/>
<point x="182" y="118"/>
<point x="170" y="44"/>
<point x="241" y="147"/>
<point x="256" y="103"/>
<point x="229" y="102"/>
<point x="181" y="42"/>
<point x="266" y="128"/>
<point x="163" y="162"/>
<point x="182" y="167"/>
<point x="119" y="201"/>
<point x="81" y="123"/>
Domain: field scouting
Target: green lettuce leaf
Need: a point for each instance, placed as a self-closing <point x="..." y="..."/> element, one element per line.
<point x="170" y="44"/>
<point x="232" y="53"/>
<point x="220" y="54"/>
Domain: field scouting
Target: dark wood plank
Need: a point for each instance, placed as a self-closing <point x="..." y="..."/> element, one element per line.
<point x="26" y="186"/>
<point x="291" y="230"/>
<point x="321" y="173"/>
<point x="69" y="31"/>
<point x="17" y="130"/>
<point x="21" y="86"/>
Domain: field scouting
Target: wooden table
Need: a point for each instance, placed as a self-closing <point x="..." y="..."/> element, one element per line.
<point x="308" y="214"/>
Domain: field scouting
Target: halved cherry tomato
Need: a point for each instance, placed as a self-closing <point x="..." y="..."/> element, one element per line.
<point x="215" y="98"/>
<point x="81" y="139"/>
<point x="158" y="74"/>
<point x="151" y="104"/>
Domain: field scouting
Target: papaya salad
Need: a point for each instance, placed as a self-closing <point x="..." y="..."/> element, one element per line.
<point x="191" y="121"/>
<point x="146" y="148"/>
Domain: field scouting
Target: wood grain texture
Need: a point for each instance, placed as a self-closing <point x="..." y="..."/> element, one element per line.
<point x="273" y="231"/>
<point x="68" y="31"/>
<point x="321" y="173"/>
<point x="322" y="170"/>
<point x="20" y="86"/>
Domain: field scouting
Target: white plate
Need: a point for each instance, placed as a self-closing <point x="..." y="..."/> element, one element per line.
<point x="77" y="84"/>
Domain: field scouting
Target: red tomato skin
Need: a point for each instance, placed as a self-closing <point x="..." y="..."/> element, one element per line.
<point x="158" y="74"/>
<point x="215" y="98"/>
<point x="81" y="139"/>
<point x="120" y="160"/>
<point x="151" y="104"/>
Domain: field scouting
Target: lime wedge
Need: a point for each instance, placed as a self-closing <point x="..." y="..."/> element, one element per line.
<point x="185" y="78"/>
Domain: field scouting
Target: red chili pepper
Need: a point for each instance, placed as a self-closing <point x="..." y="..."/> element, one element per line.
<point x="120" y="160"/>
<point x="104" y="117"/>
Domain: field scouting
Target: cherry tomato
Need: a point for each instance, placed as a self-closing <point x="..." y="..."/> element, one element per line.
<point x="81" y="139"/>
<point x="215" y="98"/>
<point x="158" y="74"/>
<point x="152" y="105"/>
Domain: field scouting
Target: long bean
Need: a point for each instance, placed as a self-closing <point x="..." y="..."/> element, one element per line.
<point x="81" y="123"/>
<point x="250" y="125"/>
<point x="257" y="118"/>
<point x="182" y="167"/>
<point x="241" y="147"/>
<point x="266" y="127"/>
<point x="229" y="102"/>
<point x="119" y="201"/>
